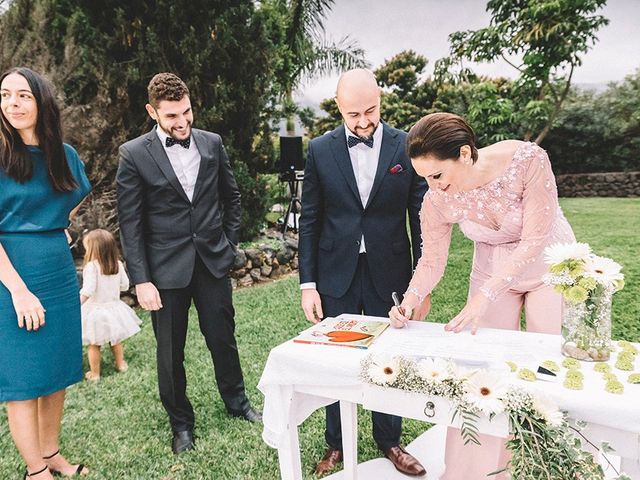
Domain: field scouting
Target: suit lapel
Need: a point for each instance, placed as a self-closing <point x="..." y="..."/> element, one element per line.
<point x="343" y="160"/>
<point x="158" y="154"/>
<point x="205" y="156"/>
<point x="388" y="151"/>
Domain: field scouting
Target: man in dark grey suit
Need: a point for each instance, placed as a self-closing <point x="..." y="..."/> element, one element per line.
<point x="354" y="251"/>
<point x="179" y="213"/>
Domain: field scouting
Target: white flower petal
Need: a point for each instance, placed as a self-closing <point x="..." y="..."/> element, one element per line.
<point x="384" y="369"/>
<point x="561" y="252"/>
<point x="434" y="369"/>
<point x="547" y="410"/>
<point x="603" y="270"/>
<point x="484" y="390"/>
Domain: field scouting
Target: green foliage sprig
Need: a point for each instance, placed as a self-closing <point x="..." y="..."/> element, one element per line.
<point x="544" y="445"/>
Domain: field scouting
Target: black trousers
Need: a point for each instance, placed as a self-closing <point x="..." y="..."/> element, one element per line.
<point x="361" y="298"/>
<point x="212" y="298"/>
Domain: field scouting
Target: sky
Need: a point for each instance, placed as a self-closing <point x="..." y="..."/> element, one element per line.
<point x="384" y="28"/>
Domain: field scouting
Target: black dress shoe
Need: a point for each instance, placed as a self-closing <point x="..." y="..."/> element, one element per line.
<point x="182" y="441"/>
<point x="250" y="415"/>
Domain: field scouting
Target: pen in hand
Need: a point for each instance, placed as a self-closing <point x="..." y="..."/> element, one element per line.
<point x="396" y="302"/>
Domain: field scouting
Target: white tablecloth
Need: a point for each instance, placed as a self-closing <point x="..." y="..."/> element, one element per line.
<point x="293" y="364"/>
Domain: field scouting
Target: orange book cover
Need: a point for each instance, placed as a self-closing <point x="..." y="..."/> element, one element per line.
<point x="343" y="332"/>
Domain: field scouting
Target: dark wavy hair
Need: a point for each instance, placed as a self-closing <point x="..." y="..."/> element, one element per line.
<point x="441" y="135"/>
<point x="15" y="158"/>
<point x="166" y="86"/>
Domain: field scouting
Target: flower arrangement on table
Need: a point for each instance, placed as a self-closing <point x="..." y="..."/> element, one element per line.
<point x="543" y="444"/>
<point x="587" y="283"/>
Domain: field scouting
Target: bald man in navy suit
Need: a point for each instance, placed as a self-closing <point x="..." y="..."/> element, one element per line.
<point x="354" y="250"/>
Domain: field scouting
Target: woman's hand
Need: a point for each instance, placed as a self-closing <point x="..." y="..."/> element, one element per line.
<point x="400" y="316"/>
<point x="470" y="315"/>
<point x="28" y="309"/>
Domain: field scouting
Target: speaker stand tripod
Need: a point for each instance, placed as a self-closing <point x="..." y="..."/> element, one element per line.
<point x="295" y="205"/>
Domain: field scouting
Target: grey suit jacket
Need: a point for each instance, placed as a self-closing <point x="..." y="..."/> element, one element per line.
<point x="161" y="230"/>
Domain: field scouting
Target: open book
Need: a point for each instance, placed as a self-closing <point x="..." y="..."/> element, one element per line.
<point x="344" y="332"/>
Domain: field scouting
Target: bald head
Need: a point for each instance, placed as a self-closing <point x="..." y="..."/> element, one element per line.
<point x="356" y="80"/>
<point x="358" y="99"/>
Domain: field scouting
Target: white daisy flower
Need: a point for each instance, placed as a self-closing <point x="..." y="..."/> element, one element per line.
<point x="434" y="369"/>
<point x="561" y="252"/>
<point x="547" y="410"/>
<point x="603" y="270"/>
<point x="384" y="369"/>
<point x="485" y="391"/>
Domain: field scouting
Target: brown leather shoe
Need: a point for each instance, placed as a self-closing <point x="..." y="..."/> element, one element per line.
<point x="332" y="457"/>
<point x="404" y="461"/>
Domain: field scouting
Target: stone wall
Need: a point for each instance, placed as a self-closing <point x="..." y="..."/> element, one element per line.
<point x="266" y="261"/>
<point x="612" y="184"/>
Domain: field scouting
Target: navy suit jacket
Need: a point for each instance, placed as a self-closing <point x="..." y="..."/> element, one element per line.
<point x="160" y="229"/>
<point x="333" y="219"/>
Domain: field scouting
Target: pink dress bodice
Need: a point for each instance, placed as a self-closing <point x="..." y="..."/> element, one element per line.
<point x="517" y="211"/>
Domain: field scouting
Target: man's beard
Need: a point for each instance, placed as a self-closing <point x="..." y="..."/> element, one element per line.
<point x="170" y="132"/>
<point x="366" y="137"/>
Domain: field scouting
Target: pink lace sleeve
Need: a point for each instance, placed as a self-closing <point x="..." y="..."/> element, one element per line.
<point x="539" y="211"/>
<point x="436" y="238"/>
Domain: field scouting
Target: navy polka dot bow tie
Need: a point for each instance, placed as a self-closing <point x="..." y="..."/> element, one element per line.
<point x="170" y="142"/>
<point x="353" y="141"/>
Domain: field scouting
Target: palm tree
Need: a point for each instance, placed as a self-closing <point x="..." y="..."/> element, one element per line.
<point x="309" y="53"/>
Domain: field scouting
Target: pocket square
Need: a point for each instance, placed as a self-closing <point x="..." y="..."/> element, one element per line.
<point x="397" y="168"/>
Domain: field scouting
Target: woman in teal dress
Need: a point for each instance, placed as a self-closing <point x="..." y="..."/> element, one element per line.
<point x="42" y="180"/>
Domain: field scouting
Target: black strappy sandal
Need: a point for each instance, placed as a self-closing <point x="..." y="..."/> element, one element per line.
<point x="29" y="475"/>
<point x="57" y="473"/>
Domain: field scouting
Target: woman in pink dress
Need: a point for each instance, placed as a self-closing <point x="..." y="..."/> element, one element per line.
<point x="504" y="198"/>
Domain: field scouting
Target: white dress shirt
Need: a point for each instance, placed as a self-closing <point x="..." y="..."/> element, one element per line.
<point x="184" y="161"/>
<point x="364" y="161"/>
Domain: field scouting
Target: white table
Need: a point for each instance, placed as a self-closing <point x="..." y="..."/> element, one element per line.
<point x="298" y="379"/>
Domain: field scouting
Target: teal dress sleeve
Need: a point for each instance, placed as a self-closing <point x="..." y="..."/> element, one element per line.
<point x="77" y="169"/>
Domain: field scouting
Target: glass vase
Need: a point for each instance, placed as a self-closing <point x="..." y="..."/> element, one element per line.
<point x="586" y="328"/>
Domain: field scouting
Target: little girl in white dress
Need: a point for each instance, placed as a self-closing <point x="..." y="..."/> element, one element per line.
<point x="105" y="318"/>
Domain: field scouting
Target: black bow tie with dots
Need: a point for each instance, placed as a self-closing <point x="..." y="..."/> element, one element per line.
<point x="353" y="141"/>
<point x="170" y="142"/>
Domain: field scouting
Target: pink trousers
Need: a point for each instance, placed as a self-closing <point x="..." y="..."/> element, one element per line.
<point x="543" y="314"/>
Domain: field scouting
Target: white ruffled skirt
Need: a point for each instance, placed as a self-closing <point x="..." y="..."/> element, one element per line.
<point x="109" y="322"/>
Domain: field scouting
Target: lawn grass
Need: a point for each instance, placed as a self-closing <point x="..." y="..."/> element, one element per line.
<point x="118" y="426"/>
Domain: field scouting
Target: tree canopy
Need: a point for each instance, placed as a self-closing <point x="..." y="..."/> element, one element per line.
<point x="549" y="36"/>
<point x="101" y="55"/>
